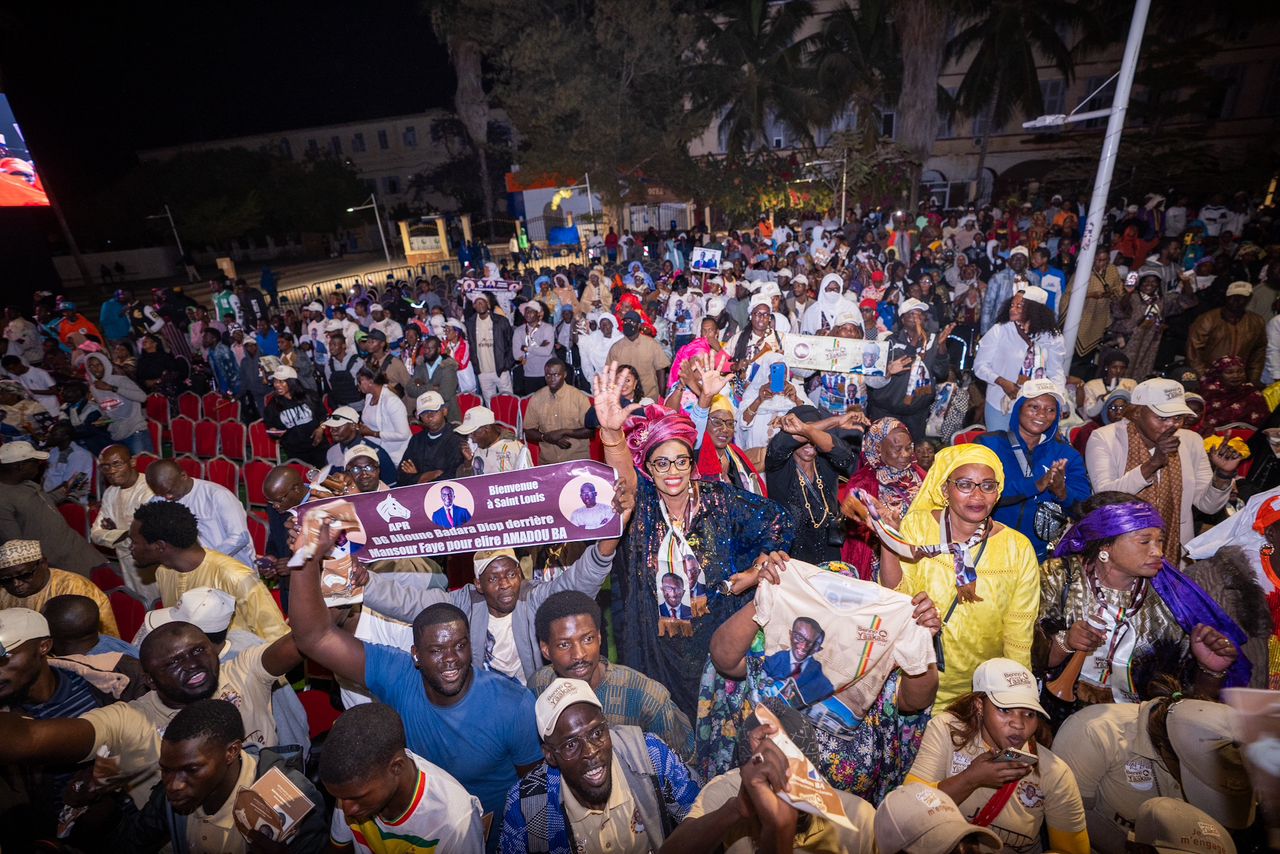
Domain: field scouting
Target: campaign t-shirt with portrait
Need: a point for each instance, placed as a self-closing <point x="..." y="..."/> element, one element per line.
<point x="480" y="740"/>
<point x="867" y="630"/>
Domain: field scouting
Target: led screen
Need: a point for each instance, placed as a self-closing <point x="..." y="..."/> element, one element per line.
<point x="20" y="186"/>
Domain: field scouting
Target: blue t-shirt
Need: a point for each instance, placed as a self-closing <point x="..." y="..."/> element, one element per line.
<point x="480" y="740"/>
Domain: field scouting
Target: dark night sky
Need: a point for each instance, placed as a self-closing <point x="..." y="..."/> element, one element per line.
<point x="93" y="83"/>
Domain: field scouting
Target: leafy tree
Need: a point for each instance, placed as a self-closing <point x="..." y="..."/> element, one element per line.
<point x="1004" y="40"/>
<point x="600" y="92"/>
<point x="857" y="65"/>
<point x="751" y="68"/>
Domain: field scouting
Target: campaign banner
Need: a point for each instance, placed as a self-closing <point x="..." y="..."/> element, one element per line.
<point x="490" y="286"/>
<point x="704" y="260"/>
<point x="560" y="503"/>
<point x="839" y="355"/>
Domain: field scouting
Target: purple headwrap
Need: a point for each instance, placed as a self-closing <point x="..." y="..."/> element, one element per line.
<point x="1187" y="601"/>
<point x="655" y="424"/>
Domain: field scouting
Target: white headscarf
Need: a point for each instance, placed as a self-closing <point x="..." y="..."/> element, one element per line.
<point x="824" y="309"/>
<point x="594" y="347"/>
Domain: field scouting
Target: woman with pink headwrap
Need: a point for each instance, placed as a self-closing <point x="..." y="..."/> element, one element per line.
<point x="686" y="538"/>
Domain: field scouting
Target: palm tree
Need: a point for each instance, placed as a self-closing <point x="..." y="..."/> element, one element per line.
<point x="922" y="31"/>
<point x="1007" y="38"/>
<point x="752" y="69"/>
<point x="857" y="65"/>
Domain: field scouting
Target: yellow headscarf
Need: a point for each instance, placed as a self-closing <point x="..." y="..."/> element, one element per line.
<point x="932" y="495"/>
<point x="723" y="404"/>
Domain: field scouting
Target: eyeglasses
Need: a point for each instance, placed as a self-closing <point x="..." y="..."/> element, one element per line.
<point x="19" y="577"/>
<point x="720" y="423"/>
<point x="363" y="468"/>
<point x="965" y="485"/>
<point x="803" y="641"/>
<point x="571" y="748"/>
<point x="662" y="465"/>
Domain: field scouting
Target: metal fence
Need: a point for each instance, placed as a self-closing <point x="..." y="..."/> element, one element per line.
<point x="537" y="258"/>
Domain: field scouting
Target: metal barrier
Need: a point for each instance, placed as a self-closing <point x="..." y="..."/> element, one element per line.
<point x="538" y="257"/>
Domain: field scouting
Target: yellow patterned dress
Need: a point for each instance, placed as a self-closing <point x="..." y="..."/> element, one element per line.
<point x="1001" y="625"/>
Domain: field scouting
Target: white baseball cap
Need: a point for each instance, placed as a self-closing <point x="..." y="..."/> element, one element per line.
<point x="1034" y="293"/>
<point x="911" y="305"/>
<point x="715" y="307"/>
<point x="1008" y="684"/>
<point x="1166" y="398"/>
<point x="19" y="625"/>
<point x="359" y="451"/>
<point x="476" y="417"/>
<point x="919" y="819"/>
<point x="314" y="306"/>
<point x="1035" y="388"/>
<point x="1019" y="250"/>
<point x="1243" y="289"/>
<point x="16" y="452"/>
<point x="1173" y="826"/>
<point x="376" y="307"/>
<point x="483" y="559"/>
<point x="284" y="372"/>
<point x="556" y="700"/>
<point x="208" y="609"/>
<point x="342" y="415"/>
<point x="429" y="401"/>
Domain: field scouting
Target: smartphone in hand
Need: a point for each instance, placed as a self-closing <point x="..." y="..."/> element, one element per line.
<point x="1012" y="754"/>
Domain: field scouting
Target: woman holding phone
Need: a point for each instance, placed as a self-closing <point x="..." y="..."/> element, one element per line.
<point x="982" y="752"/>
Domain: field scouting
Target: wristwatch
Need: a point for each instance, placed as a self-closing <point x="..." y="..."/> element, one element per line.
<point x="1061" y="640"/>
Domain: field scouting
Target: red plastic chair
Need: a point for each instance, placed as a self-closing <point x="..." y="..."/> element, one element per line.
<point x="143" y="460"/>
<point x="233" y="436"/>
<point x="158" y="410"/>
<point x="223" y="472"/>
<point x="182" y="433"/>
<point x="190" y="465"/>
<point x="968" y="434"/>
<point x="261" y="445"/>
<point x="255" y="474"/>
<point x="259" y="528"/>
<point x="76" y="516"/>
<point x="105" y="578"/>
<point x="226" y="410"/>
<point x="130" y="610"/>
<point x="1073" y="433"/>
<point x="468" y="401"/>
<point x="506" y="409"/>
<point x="321" y="714"/>
<point x="189" y="405"/>
<point x="156" y="431"/>
<point x="209" y="404"/>
<point x="207" y="439"/>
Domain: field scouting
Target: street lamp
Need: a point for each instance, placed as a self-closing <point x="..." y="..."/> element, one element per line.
<point x="168" y="214"/>
<point x="844" y="177"/>
<point x="1101" y="184"/>
<point x="373" y="203"/>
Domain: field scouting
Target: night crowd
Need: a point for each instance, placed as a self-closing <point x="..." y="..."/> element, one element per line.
<point x="984" y="592"/>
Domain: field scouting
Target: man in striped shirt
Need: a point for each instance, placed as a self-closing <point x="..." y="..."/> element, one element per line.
<point x="569" y="629"/>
